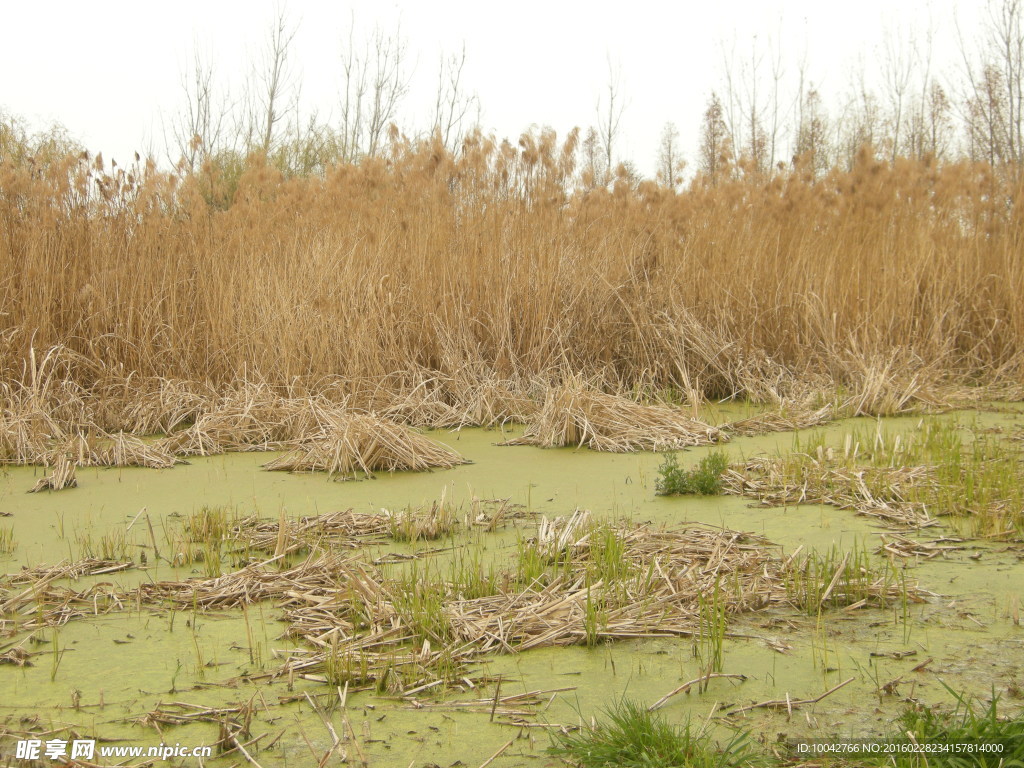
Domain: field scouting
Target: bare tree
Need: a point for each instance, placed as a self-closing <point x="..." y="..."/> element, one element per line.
<point x="609" y="116"/>
<point x="778" y="72"/>
<point x="756" y="145"/>
<point x="670" y="160"/>
<point x="374" y="83"/>
<point x="897" y="69"/>
<point x="938" y="122"/>
<point x="452" y="104"/>
<point x="1008" y="32"/>
<point x="354" y="77"/>
<point x="812" y="140"/>
<point x="271" y="108"/>
<point x="715" y="142"/>
<point x="389" y="85"/>
<point x="859" y="122"/>
<point x="745" y="108"/>
<point x="994" y="104"/>
<point x="987" y="118"/>
<point x="200" y="129"/>
<point x="594" y="170"/>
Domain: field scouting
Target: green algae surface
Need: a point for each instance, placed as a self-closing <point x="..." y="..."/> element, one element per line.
<point x="102" y="676"/>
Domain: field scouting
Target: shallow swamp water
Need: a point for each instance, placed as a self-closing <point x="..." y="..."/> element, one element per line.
<point x="99" y="676"/>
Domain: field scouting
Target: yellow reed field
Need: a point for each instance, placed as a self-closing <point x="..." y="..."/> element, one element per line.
<point x="403" y="283"/>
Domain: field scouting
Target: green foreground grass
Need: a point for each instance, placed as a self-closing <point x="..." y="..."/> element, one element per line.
<point x="628" y="735"/>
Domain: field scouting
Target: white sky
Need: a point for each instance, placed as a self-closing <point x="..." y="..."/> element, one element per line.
<point x="111" y="71"/>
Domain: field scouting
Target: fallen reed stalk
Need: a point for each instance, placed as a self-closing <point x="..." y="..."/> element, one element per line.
<point x="788" y="703"/>
<point x="685" y="687"/>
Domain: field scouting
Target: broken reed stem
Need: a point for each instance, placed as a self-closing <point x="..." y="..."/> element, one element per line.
<point x="497" y="695"/>
<point x="242" y="750"/>
<point x="789" y="703"/>
<point x="685" y="687"/>
<point x="497" y="754"/>
<point x="152" y="537"/>
<point x="835" y="579"/>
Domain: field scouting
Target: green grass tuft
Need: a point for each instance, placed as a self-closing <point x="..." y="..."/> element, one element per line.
<point x="1001" y="737"/>
<point x="705" y="480"/>
<point x="628" y="736"/>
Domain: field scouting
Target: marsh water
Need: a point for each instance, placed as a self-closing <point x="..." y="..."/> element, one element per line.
<point x="100" y="675"/>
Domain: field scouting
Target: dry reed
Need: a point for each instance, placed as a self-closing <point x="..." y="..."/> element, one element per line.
<point x="884" y="493"/>
<point x="367" y="630"/>
<point x="363" y="443"/>
<point x="62" y="476"/>
<point x="787" y="419"/>
<point x="66" y="570"/>
<point x="351" y="530"/>
<point x="476" y="398"/>
<point x="335" y="530"/>
<point x="575" y="414"/>
<point x="488" y="269"/>
<point x="599" y="584"/>
<point x="895" y="545"/>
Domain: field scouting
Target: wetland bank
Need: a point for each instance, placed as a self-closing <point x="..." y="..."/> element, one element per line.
<point x="376" y="463"/>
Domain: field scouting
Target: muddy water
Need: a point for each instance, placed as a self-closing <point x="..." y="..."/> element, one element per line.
<point x="103" y="674"/>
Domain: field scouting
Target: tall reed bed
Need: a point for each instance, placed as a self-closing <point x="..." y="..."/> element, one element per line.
<point x="406" y="281"/>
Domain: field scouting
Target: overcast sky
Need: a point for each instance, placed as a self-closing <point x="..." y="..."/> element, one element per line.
<point x="111" y="71"/>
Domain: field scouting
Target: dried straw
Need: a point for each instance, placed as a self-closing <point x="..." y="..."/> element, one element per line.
<point x="359" y="626"/>
<point x="787" y="419"/>
<point x="62" y="476"/>
<point x="351" y="444"/>
<point x="575" y="414"/>
<point x="879" y="492"/>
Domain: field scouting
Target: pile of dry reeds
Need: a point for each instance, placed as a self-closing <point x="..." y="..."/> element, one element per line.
<point x="49" y="419"/>
<point x="149" y="406"/>
<point x="600" y="583"/>
<point x="334" y="530"/>
<point x="121" y="450"/>
<point x="884" y="493"/>
<point x="473" y="398"/>
<point x="41" y="411"/>
<point x="89" y="566"/>
<point x="351" y="530"/>
<point x="62" y="476"/>
<point x="369" y="629"/>
<point x="352" y="444"/>
<point x="251" y="417"/>
<point x="42" y="604"/>
<point x="786" y="419"/>
<point x="576" y="414"/>
<point x="896" y="545"/>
